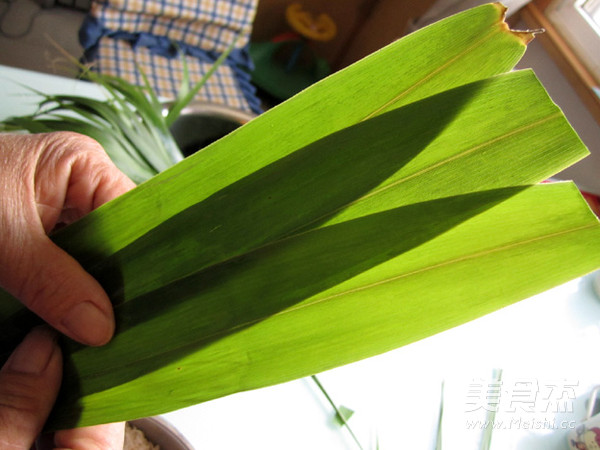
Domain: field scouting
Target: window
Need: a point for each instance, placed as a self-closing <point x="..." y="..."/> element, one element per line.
<point x="579" y="23"/>
<point x="592" y="8"/>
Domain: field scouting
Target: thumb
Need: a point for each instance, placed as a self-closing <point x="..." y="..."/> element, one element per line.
<point x="43" y="176"/>
<point x="29" y="383"/>
<point x="54" y="286"/>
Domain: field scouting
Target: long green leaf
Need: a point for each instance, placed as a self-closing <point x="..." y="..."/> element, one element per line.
<point x="361" y="171"/>
<point x="146" y="133"/>
<point x="407" y="164"/>
<point x="422" y="221"/>
<point x="335" y="227"/>
<point x="271" y="317"/>
<point x="470" y="46"/>
<point x="349" y="163"/>
<point x="129" y="124"/>
<point x="187" y="93"/>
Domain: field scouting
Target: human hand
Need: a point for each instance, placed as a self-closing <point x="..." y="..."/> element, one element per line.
<point x="29" y="383"/>
<point x="48" y="179"/>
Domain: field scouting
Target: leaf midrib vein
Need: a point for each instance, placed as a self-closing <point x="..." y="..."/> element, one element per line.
<point x="294" y="233"/>
<point x="437" y="165"/>
<point x="433" y="73"/>
<point x="447" y="263"/>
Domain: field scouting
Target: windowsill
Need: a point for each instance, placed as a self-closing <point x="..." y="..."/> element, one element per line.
<point x="569" y="63"/>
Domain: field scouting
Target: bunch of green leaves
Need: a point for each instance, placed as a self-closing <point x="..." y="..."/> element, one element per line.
<point x="390" y="201"/>
<point x="132" y="123"/>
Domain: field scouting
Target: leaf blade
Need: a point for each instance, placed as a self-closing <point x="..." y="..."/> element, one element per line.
<point x="319" y="111"/>
<point x="289" y="344"/>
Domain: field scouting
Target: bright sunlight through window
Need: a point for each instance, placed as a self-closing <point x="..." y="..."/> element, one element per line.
<point x="579" y="23"/>
<point x="591" y="8"/>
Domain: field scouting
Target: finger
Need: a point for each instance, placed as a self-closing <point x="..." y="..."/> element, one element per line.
<point x="55" y="175"/>
<point x="95" y="180"/>
<point x="29" y="383"/>
<point x="54" y="286"/>
<point x="100" y="437"/>
<point x="72" y="177"/>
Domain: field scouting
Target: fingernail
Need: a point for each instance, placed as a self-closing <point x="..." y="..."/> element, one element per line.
<point x="89" y="324"/>
<point x="34" y="353"/>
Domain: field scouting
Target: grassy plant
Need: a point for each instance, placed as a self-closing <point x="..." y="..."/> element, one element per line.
<point x="342" y="414"/>
<point x="132" y="124"/>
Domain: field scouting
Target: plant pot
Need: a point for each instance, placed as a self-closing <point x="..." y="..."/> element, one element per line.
<point x="160" y="432"/>
<point x="200" y="124"/>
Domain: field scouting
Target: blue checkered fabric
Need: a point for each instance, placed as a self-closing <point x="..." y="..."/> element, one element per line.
<point x="122" y="37"/>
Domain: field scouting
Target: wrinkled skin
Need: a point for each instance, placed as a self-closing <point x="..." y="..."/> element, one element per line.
<point x="48" y="180"/>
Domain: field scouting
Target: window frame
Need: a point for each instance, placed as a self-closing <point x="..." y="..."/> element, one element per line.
<point x="577" y="72"/>
<point x="581" y="33"/>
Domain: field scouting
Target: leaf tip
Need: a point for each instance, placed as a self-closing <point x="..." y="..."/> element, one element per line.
<point x="525" y="36"/>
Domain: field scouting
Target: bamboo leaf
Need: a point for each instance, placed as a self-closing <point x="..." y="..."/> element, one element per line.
<point x="419" y="226"/>
<point x="267" y="318"/>
<point x="360" y="171"/>
<point x="339" y="225"/>
<point x="432" y="60"/>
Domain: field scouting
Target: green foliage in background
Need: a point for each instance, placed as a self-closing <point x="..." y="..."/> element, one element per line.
<point x="132" y="124"/>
